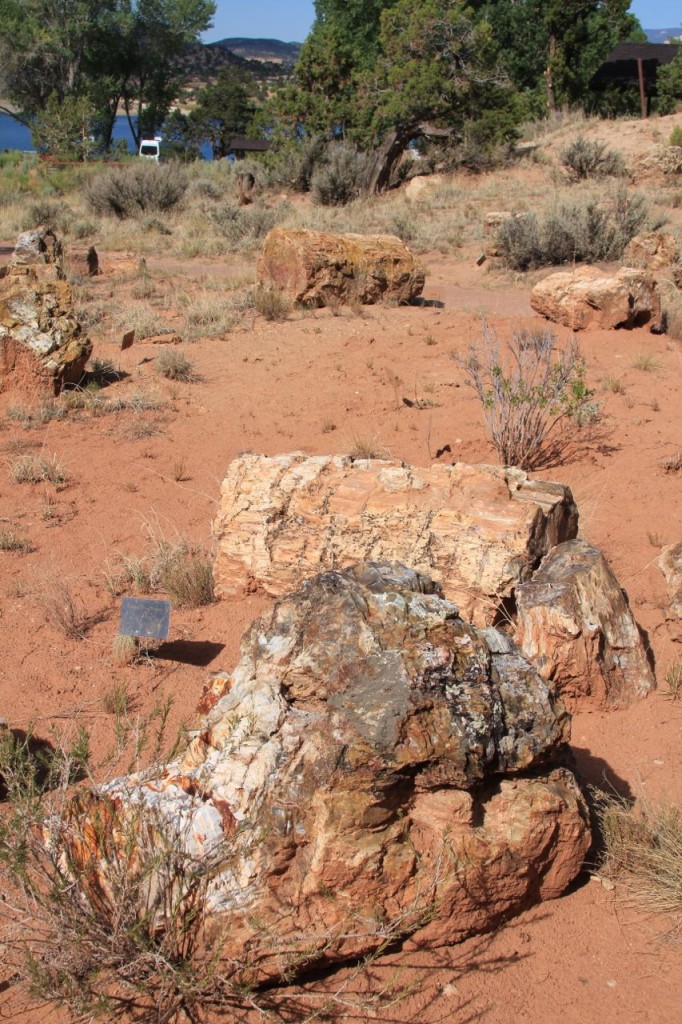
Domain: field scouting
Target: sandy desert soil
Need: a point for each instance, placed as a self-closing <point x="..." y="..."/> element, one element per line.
<point x="321" y="383"/>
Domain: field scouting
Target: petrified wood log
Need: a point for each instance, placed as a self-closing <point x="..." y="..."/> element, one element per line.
<point x="315" y="268"/>
<point x="373" y="766"/>
<point x="478" y="530"/>
<point x="588" y="297"/>
<point x="576" y="626"/>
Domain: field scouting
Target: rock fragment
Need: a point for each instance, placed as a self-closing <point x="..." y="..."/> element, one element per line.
<point x="575" y="625"/>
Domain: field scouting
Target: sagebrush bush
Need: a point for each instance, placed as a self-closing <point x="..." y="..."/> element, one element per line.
<point x="587" y="158"/>
<point x="336" y="179"/>
<point x="137" y="189"/>
<point x="572" y="232"/>
<point x="676" y="136"/>
<point x="534" y="398"/>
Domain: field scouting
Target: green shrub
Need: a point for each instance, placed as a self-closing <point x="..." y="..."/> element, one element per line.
<point x="137" y="189"/>
<point x="336" y="180"/>
<point x="676" y="136"/>
<point x="588" y="158"/>
<point x="572" y="232"/>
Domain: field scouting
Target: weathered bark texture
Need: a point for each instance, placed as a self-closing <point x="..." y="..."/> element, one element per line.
<point x="478" y="530"/>
<point x="670" y="564"/>
<point x="315" y="268"/>
<point x="575" y="625"/>
<point x="376" y="766"/>
<point x="588" y="297"/>
<point x="42" y="346"/>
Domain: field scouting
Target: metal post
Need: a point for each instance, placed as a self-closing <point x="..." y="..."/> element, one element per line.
<point x="642" y="90"/>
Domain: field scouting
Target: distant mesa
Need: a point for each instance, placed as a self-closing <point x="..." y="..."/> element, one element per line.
<point x="664" y="35"/>
<point x="271" y="50"/>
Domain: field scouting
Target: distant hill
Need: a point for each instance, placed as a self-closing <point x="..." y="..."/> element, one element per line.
<point x="271" y="50"/>
<point x="662" y="35"/>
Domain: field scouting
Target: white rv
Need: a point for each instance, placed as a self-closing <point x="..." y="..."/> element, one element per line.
<point x="150" y="149"/>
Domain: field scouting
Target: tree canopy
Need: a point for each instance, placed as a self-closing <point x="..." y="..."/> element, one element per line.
<point x="97" y="55"/>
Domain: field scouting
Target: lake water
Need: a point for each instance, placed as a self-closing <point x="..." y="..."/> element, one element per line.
<point x="16" y="136"/>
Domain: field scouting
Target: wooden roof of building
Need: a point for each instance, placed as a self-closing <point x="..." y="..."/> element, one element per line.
<point x="620" y="67"/>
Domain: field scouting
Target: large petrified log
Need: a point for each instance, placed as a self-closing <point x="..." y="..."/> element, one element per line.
<point x="316" y="269"/>
<point x="670" y="564"/>
<point x="575" y="625"/>
<point x="42" y="346"/>
<point x="375" y="766"/>
<point x="588" y="297"/>
<point x="479" y="530"/>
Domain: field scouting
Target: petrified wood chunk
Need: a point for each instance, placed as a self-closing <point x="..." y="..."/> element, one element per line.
<point x="42" y="346"/>
<point x="478" y="530"/>
<point x="315" y="268"/>
<point x="588" y="297"/>
<point x="575" y="625"/>
<point x="670" y="564"/>
<point x="376" y="766"/>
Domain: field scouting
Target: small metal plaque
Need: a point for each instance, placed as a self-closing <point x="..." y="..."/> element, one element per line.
<point x="143" y="616"/>
<point x="128" y="339"/>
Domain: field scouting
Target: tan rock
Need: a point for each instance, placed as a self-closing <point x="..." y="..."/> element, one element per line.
<point x="420" y="186"/>
<point x="655" y="250"/>
<point x="670" y="564"/>
<point x="575" y="625"/>
<point x="478" y="530"/>
<point x="162" y="339"/>
<point x="314" y="268"/>
<point x="588" y="297"/>
<point x="373" y="767"/>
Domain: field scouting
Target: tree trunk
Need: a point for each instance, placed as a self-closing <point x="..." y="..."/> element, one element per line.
<point x="382" y="164"/>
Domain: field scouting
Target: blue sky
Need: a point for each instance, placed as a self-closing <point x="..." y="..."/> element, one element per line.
<point x="290" y="20"/>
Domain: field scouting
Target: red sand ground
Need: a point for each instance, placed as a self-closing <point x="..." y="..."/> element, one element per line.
<point x="319" y="383"/>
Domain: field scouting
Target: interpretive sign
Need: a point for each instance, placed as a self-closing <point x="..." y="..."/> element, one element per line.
<point x="145" y="617"/>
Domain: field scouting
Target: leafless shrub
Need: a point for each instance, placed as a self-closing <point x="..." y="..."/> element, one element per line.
<point x="54" y="595"/>
<point x="533" y="397"/>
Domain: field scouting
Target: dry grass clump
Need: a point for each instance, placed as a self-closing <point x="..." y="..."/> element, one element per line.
<point x="673" y="679"/>
<point x="673" y="463"/>
<point x="208" y="315"/>
<point x="10" y="540"/>
<point x="647" y="362"/>
<point x="145" y="321"/>
<point x="177" y="568"/>
<point x="37" y="469"/>
<point x="272" y="303"/>
<point x="174" y="365"/>
<point x="534" y="398"/>
<point x="643" y="849"/>
<point x="137" y="189"/>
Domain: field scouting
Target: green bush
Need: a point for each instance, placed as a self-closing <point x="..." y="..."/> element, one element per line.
<point x="587" y="158"/>
<point x="676" y="136"/>
<point x="336" y="180"/>
<point x="572" y="232"/>
<point x="137" y="189"/>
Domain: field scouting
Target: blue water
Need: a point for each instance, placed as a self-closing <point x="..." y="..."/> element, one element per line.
<point x="16" y="136"/>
